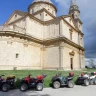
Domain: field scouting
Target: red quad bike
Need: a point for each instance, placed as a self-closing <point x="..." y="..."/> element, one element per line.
<point x="8" y="83"/>
<point x="30" y="82"/>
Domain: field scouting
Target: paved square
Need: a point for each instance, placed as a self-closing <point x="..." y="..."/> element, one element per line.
<point x="76" y="91"/>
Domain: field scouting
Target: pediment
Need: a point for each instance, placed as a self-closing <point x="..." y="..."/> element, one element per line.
<point x="45" y="12"/>
<point x="70" y="20"/>
<point x="15" y="16"/>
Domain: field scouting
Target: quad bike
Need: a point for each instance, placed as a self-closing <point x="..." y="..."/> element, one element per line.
<point x="86" y="79"/>
<point x="58" y="81"/>
<point x="30" y="82"/>
<point x="8" y="83"/>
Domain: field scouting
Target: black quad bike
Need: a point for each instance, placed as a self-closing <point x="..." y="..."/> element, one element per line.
<point x="8" y="83"/>
<point x="86" y="79"/>
<point x="58" y="81"/>
<point x="30" y="82"/>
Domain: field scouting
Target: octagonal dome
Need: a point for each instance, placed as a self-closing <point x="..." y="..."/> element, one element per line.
<point x="38" y="5"/>
<point x="48" y="1"/>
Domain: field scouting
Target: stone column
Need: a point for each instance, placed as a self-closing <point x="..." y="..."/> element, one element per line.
<point x="28" y="25"/>
<point x="81" y="59"/>
<point x="43" y="57"/>
<point x="61" y="56"/>
<point x="61" y="28"/>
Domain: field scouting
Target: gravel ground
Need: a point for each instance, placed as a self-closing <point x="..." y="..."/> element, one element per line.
<point x="76" y="91"/>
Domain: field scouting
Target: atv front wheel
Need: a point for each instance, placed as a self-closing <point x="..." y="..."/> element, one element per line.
<point x="70" y="84"/>
<point x="56" y="84"/>
<point x="95" y="81"/>
<point x="86" y="82"/>
<point x="39" y="87"/>
<point x="23" y="87"/>
<point x="5" y="87"/>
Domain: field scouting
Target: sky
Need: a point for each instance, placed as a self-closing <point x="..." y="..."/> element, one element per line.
<point x="87" y="16"/>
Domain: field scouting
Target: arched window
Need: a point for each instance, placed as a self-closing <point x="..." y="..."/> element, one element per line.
<point x="70" y="35"/>
<point x="17" y="55"/>
<point x="71" y="32"/>
<point x="32" y="10"/>
<point x="73" y="16"/>
<point x="53" y="12"/>
<point x="15" y="16"/>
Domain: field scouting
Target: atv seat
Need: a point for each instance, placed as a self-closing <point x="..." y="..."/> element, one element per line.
<point x="71" y="74"/>
<point x="10" y="77"/>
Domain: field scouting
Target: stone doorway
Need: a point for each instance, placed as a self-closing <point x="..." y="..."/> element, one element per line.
<point x="71" y="63"/>
<point x="72" y="53"/>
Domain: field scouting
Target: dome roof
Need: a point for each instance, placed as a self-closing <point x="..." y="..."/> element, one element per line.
<point x="48" y="1"/>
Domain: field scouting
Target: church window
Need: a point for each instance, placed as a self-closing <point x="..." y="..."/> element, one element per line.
<point x="81" y="40"/>
<point x="53" y="12"/>
<point x="70" y="35"/>
<point x="15" y="15"/>
<point x="73" y="16"/>
<point x="70" y="20"/>
<point x="71" y="8"/>
<point x="17" y="55"/>
<point x="32" y="10"/>
<point x="79" y="26"/>
<point x="46" y="14"/>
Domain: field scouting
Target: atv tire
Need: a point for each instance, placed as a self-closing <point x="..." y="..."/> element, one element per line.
<point x="24" y="87"/>
<point x="39" y="87"/>
<point x="5" y="87"/>
<point x="70" y="84"/>
<point x="91" y="82"/>
<point x="86" y="82"/>
<point x="95" y="82"/>
<point x="56" y="84"/>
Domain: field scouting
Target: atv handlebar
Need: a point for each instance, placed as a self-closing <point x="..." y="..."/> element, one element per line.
<point x="44" y="75"/>
<point x="59" y="74"/>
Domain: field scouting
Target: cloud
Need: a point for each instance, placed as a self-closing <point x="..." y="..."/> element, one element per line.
<point x="88" y="16"/>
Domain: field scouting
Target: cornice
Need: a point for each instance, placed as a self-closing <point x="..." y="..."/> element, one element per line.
<point x="45" y="42"/>
<point x="63" y="39"/>
<point x="20" y="35"/>
<point x="46" y="22"/>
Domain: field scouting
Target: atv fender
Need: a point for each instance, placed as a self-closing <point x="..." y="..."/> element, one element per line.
<point x="57" y="80"/>
<point x="70" y="78"/>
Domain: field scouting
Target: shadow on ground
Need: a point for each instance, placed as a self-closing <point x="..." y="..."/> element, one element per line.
<point x="19" y="93"/>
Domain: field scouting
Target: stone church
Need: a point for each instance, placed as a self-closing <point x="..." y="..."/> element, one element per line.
<point x="37" y="39"/>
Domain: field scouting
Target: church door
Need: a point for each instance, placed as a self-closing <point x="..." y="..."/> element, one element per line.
<point x="71" y="62"/>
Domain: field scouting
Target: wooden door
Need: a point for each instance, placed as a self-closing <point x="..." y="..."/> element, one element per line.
<point x="71" y="62"/>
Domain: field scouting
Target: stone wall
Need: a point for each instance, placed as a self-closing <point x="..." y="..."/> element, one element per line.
<point x="51" y="58"/>
<point x="19" y="53"/>
<point x="43" y="16"/>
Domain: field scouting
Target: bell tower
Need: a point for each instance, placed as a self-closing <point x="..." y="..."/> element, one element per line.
<point x="75" y="12"/>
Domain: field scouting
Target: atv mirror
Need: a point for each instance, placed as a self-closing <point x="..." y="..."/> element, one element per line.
<point x="44" y="75"/>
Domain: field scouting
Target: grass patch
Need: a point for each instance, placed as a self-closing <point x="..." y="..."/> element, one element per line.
<point x="23" y="73"/>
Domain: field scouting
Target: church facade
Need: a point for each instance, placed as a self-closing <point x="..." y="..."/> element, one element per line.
<point x="37" y="39"/>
